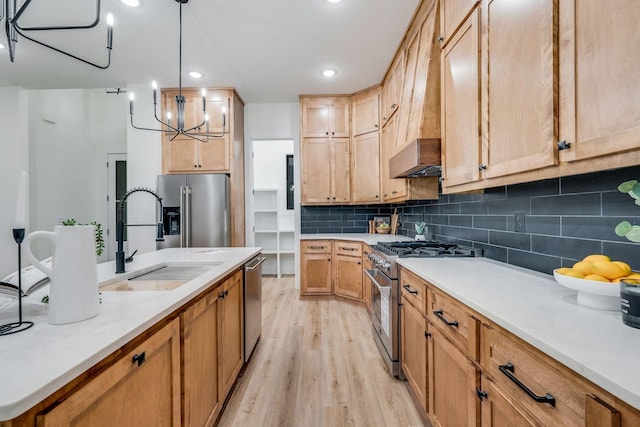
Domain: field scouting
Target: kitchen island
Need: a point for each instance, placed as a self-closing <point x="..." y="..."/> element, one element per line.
<point x="39" y="362"/>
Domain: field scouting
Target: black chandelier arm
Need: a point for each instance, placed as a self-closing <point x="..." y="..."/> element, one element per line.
<point x="155" y="114"/>
<point x="14" y="20"/>
<point x="172" y="129"/>
<point x="103" y="67"/>
<point x="198" y="135"/>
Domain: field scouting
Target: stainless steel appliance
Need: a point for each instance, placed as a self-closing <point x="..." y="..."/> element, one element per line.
<point x="385" y="294"/>
<point x="195" y="210"/>
<point x="252" y="304"/>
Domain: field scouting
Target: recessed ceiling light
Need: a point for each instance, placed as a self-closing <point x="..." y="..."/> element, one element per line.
<point x="334" y="1"/>
<point x="195" y="74"/>
<point x="131" y="3"/>
<point x="328" y="72"/>
<point x="1" y="46"/>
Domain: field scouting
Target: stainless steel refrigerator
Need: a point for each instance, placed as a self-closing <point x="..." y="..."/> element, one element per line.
<point x="195" y="210"/>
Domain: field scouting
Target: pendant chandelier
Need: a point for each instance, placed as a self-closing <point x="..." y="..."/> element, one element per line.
<point x="12" y="10"/>
<point x="198" y="132"/>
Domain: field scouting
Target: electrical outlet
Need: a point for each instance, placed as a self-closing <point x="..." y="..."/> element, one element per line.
<point x="519" y="222"/>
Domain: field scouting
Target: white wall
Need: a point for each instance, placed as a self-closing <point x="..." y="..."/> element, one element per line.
<point x="144" y="164"/>
<point x="275" y="122"/>
<point x="15" y="157"/>
<point x="70" y="134"/>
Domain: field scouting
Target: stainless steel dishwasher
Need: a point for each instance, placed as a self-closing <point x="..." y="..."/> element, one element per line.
<point x="252" y="304"/>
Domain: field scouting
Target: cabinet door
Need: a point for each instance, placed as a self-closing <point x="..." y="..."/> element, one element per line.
<point x="365" y="168"/>
<point x="340" y="183"/>
<point x="192" y="106"/>
<point x="599" y="78"/>
<point x="366" y="113"/>
<point x="396" y="188"/>
<point x="520" y="86"/>
<point x="407" y="91"/>
<point x="230" y="333"/>
<point x="315" y="120"/>
<point x="218" y="105"/>
<point x="413" y="351"/>
<point x="214" y="155"/>
<point x="340" y="118"/>
<point x="391" y="88"/>
<point x="348" y="276"/>
<point x="201" y="401"/>
<point x="316" y="170"/>
<point x="121" y="395"/>
<point x="453" y="381"/>
<point x="316" y="274"/>
<point x="453" y="15"/>
<point x="500" y="411"/>
<point x="181" y="155"/>
<point x="461" y="105"/>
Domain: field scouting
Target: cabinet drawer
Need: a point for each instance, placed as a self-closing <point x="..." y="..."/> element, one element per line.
<point x="413" y="290"/>
<point x="456" y="322"/>
<point x="516" y="367"/>
<point x="316" y="246"/>
<point x="348" y="248"/>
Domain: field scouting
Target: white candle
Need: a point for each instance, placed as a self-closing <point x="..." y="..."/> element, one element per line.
<point x="21" y="208"/>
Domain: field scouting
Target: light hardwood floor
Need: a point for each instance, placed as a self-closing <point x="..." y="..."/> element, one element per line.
<point x="316" y="365"/>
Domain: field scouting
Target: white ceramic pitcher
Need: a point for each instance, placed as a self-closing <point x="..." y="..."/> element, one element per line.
<point x="73" y="295"/>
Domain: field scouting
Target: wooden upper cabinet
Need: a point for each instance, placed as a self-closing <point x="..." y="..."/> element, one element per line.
<point x="214" y="155"/>
<point x="599" y="78"/>
<point x="325" y="170"/>
<point x="365" y="108"/>
<point x="454" y="14"/>
<point x="325" y="117"/>
<point x="392" y="188"/>
<point x="392" y="88"/>
<point x="365" y="168"/>
<point x="217" y="108"/>
<point x="520" y="95"/>
<point x="461" y="142"/>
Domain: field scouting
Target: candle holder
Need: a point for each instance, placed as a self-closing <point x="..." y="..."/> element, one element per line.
<point x="20" y="325"/>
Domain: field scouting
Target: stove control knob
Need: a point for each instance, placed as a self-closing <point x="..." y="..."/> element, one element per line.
<point x="386" y="265"/>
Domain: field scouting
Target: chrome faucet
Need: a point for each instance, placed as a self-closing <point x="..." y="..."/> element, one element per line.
<point x="120" y="261"/>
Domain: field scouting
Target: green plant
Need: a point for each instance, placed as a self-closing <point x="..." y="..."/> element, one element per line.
<point x="98" y="233"/>
<point x="625" y="228"/>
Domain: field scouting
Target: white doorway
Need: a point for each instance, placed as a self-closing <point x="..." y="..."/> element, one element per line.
<point x="116" y="187"/>
<point x="272" y="211"/>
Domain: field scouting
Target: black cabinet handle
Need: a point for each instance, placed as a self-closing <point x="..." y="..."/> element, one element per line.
<point x="427" y="334"/>
<point x="342" y="248"/>
<point x="508" y="370"/>
<point x="316" y="247"/>
<point x="411" y="291"/>
<point x="326" y="133"/>
<point x="139" y="358"/>
<point x="481" y="394"/>
<point x="439" y="315"/>
<point x="563" y="145"/>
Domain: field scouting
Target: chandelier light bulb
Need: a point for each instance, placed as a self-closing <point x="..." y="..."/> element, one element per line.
<point x="131" y="3"/>
<point x="154" y="85"/>
<point x="132" y="96"/>
<point x="110" y="19"/>
<point x="206" y="118"/>
<point x="1" y="46"/>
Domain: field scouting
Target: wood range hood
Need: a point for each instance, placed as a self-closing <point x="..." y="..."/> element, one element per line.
<point x="420" y="157"/>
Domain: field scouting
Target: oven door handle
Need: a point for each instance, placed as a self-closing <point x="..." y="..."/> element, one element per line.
<point x="370" y="273"/>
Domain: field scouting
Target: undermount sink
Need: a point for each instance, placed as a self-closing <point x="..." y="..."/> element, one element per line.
<point x="162" y="278"/>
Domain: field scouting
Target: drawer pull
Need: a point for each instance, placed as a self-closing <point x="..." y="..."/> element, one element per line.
<point x="139" y="358"/>
<point x="411" y="291"/>
<point x="316" y="247"/>
<point x="342" y="248"/>
<point x="439" y="315"/>
<point x="508" y="371"/>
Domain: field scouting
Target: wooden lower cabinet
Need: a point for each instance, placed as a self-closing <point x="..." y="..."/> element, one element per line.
<point x="141" y="389"/>
<point x="316" y="274"/>
<point x="453" y="381"/>
<point x="200" y="391"/>
<point x="348" y="276"/>
<point x="413" y="351"/>
<point x="230" y="332"/>
<point x="498" y="410"/>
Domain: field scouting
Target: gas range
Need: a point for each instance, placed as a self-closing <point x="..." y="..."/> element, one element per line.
<point x="384" y="254"/>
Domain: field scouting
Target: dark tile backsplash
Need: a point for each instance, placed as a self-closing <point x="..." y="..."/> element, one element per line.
<point x="565" y="219"/>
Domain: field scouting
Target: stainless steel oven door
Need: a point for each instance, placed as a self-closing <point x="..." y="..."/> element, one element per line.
<point x="383" y="316"/>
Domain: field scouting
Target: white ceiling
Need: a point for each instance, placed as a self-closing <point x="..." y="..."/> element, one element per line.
<point x="270" y="50"/>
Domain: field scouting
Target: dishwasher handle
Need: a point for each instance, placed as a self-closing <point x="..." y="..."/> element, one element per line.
<point x="256" y="264"/>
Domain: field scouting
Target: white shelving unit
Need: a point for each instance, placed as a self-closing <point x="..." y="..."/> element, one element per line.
<point x="274" y="233"/>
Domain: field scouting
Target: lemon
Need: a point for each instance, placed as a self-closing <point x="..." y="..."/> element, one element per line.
<point x="583" y="267"/>
<point x="596" y="257"/>
<point x="608" y="269"/>
<point x="596" y="277"/>
<point x="624" y="266"/>
<point x="565" y="271"/>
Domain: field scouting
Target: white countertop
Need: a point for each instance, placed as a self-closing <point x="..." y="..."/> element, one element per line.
<point x="594" y="343"/>
<point x="369" y="239"/>
<point x="37" y="362"/>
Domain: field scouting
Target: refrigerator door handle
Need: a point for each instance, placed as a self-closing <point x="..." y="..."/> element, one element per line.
<point x="183" y="191"/>
<point x="187" y="236"/>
